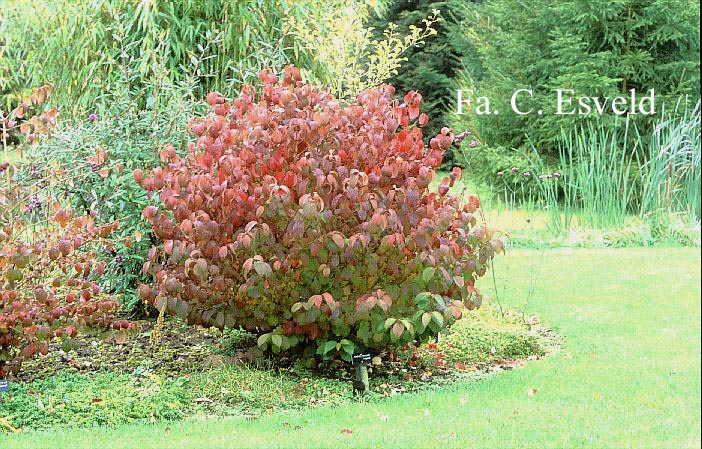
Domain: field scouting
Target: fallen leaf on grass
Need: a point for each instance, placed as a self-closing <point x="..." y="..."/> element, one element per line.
<point x="347" y="431"/>
<point x="531" y="392"/>
<point x="596" y="396"/>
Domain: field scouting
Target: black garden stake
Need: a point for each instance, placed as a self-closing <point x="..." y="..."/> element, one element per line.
<point x="360" y="383"/>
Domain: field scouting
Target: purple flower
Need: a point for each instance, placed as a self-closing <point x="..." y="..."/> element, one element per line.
<point x="556" y="174"/>
<point x="93" y="117"/>
<point x="118" y="259"/>
<point x="459" y="138"/>
<point x="500" y="174"/>
<point x="515" y="169"/>
<point x="527" y="174"/>
<point x="34" y="204"/>
<point x="473" y="143"/>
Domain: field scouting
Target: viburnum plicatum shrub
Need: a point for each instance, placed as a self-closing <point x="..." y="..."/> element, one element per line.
<point x="48" y="286"/>
<point x="312" y="223"/>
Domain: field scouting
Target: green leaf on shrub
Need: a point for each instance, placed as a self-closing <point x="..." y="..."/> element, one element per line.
<point x="428" y="273"/>
<point x="389" y="322"/>
<point x="329" y="346"/>
<point x="422" y="300"/>
<point x="277" y="340"/>
<point x="263" y="339"/>
<point x="426" y="319"/>
<point x="347" y="346"/>
<point x="263" y="269"/>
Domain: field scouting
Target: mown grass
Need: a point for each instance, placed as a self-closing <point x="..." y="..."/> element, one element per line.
<point x="628" y="375"/>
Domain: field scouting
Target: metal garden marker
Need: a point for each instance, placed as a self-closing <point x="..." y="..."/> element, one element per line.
<point x="4" y="386"/>
<point x="360" y="383"/>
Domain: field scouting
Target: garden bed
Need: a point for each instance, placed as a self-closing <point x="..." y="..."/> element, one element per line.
<point x="201" y="373"/>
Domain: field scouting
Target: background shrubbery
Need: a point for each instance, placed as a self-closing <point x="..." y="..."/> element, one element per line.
<point x="81" y="45"/>
<point x="130" y="137"/>
<point x="596" y="48"/>
<point x="432" y="67"/>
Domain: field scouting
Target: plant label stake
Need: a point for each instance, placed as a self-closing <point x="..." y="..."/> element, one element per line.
<point x="360" y="383"/>
<point x="4" y="386"/>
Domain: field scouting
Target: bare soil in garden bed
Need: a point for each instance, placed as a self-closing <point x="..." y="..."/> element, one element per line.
<point x="182" y="349"/>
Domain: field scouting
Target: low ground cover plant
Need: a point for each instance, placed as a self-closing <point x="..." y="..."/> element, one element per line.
<point x="311" y="223"/>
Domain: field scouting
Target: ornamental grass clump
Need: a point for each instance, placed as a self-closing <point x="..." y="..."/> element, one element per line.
<point x="311" y="223"/>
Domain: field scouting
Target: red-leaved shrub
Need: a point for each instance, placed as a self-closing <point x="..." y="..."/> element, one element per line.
<point x="312" y="223"/>
<point x="48" y="287"/>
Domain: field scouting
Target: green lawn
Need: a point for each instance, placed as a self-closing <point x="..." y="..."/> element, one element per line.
<point x="629" y="374"/>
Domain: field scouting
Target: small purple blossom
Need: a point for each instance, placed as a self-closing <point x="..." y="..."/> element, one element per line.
<point x="527" y="174"/>
<point x="473" y="143"/>
<point x="461" y="136"/>
<point x="119" y="259"/>
<point x="500" y="174"/>
<point x="93" y="118"/>
<point x="34" y="204"/>
<point x="515" y="169"/>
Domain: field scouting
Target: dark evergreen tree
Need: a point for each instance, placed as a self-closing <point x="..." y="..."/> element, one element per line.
<point x="597" y="48"/>
<point x="431" y="68"/>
